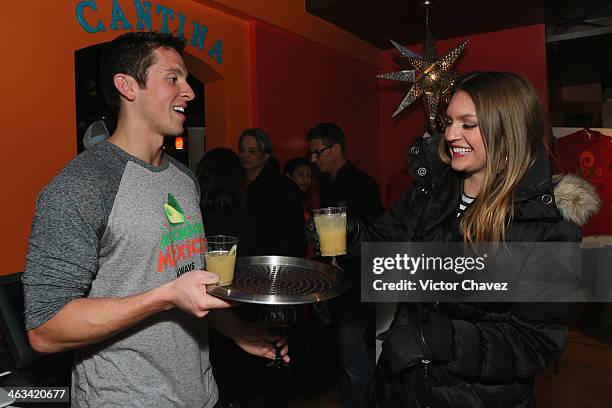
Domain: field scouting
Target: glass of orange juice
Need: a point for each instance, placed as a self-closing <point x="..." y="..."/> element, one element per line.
<point x="331" y="227"/>
<point x="221" y="257"/>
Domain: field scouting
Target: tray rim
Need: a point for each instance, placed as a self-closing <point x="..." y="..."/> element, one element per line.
<point x="230" y="293"/>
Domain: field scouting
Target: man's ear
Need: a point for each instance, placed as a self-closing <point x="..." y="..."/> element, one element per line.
<point x="126" y="85"/>
<point x="337" y="148"/>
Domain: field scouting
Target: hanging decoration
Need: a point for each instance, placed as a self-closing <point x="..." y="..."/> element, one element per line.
<point x="430" y="74"/>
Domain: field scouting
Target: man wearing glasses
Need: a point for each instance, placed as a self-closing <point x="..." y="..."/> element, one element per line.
<point x="341" y="184"/>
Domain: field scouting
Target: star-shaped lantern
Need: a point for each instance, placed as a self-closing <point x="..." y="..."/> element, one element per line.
<point x="430" y="75"/>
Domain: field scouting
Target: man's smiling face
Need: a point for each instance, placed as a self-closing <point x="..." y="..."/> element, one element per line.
<point x="162" y="103"/>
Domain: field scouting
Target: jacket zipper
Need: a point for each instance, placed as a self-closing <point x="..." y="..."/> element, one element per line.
<point x="425" y="361"/>
<point x="425" y="365"/>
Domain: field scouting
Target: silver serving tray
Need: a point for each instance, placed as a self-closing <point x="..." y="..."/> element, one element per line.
<point x="282" y="280"/>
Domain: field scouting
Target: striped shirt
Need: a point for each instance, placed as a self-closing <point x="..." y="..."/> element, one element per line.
<point x="465" y="203"/>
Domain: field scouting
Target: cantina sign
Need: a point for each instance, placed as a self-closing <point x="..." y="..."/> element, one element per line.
<point x="87" y="10"/>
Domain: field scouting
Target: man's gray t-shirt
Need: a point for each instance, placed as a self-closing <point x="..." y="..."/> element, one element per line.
<point x="112" y="225"/>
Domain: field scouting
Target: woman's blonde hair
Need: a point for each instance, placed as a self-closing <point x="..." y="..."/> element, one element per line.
<point x="511" y="121"/>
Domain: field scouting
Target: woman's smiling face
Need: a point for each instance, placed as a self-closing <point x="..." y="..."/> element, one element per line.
<point x="463" y="136"/>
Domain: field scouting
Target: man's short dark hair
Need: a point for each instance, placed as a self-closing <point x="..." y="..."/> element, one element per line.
<point x="132" y="54"/>
<point x="329" y="133"/>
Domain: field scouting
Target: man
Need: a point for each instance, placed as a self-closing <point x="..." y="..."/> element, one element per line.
<point x="114" y="266"/>
<point x="341" y="184"/>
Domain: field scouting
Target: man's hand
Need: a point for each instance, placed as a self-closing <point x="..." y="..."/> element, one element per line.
<point x="188" y="293"/>
<point x="258" y="341"/>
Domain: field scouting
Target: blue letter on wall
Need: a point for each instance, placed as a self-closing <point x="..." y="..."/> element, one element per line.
<point x="199" y="33"/>
<point x="216" y="52"/>
<point x="119" y="17"/>
<point x="143" y="15"/>
<point x="81" y="18"/>
<point x="181" y="30"/>
<point x="165" y="12"/>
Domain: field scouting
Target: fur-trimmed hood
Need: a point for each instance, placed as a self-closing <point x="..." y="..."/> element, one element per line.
<point x="576" y="198"/>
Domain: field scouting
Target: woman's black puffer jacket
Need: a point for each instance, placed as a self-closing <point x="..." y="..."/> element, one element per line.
<point x="479" y="354"/>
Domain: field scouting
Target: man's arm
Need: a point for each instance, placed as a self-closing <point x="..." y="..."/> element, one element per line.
<point x="86" y="321"/>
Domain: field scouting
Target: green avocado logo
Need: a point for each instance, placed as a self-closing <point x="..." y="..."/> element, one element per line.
<point x="173" y="211"/>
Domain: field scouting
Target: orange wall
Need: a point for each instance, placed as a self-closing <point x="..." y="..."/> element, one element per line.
<point x="521" y="50"/>
<point x="38" y="105"/>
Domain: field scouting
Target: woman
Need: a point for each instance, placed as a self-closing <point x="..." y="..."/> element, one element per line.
<point x="495" y="187"/>
<point x="273" y="221"/>
<point x="222" y="193"/>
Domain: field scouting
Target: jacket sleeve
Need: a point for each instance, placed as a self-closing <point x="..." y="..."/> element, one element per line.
<point x="518" y="345"/>
<point x="397" y="224"/>
<point x="500" y="348"/>
<point x="523" y="337"/>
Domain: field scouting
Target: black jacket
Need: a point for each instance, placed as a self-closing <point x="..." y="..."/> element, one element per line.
<point x="271" y="223"/>
<point x="485" y="354"/>
<point x="358" y="192"/>
<point x="272" y="220"/>
<point x="355" y="190"/>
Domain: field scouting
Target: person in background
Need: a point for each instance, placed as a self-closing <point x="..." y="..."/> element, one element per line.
<point x="342" y="184"/>
<point x="271" y="223"/>
<point x="495" y="187"/>
<point x="221" y="180"/>
<point x="306" y="356"/>
<point x="273" y="220"/>
<point x="299" y="170"/>
<point x="114" y="268"/>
